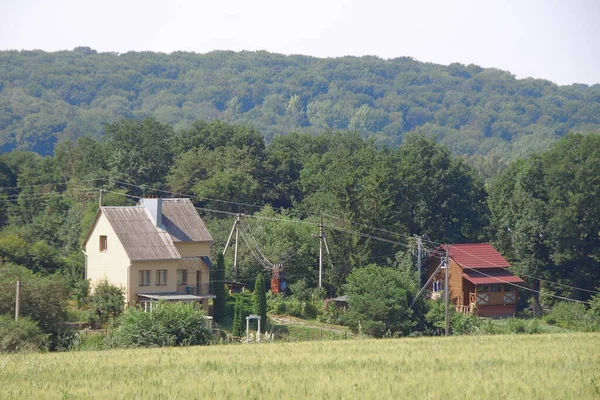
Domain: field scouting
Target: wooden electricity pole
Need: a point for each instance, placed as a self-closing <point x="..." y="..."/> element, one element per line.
<point x="18" y="301"/>
<point x="447" y="290"/>
<point x="419" y="252"/>
<point x="321" y="238"/>
<point x="236" y="229"/>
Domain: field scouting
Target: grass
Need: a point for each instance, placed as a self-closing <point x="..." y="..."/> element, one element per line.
<point x="504" y="366"/>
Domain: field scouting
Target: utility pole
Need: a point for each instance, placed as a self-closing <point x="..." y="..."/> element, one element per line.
<point x="419" y="252"/>
<point x="18" y="301"/>
<point x="235" y="228"/>
<point x="101" y="198"/>
<point x="447" y="290"/>
<point x="321" y="236"/>
<point x="235" y="252"/>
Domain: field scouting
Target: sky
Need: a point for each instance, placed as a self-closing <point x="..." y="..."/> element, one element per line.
<point x="558" y="40"/>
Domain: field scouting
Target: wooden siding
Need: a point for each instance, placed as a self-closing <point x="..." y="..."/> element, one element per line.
<point x="456" y="283"/>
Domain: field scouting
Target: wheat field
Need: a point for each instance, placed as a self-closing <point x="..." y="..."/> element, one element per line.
<point x="553" y="366"/>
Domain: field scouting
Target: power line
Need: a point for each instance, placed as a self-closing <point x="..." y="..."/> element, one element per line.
<point x="559" y="284"/>
<point x="526" y="288"/>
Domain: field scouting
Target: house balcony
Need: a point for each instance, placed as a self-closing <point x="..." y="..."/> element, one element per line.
<point x="199" y="289"/>
<point x="493" y="298"/>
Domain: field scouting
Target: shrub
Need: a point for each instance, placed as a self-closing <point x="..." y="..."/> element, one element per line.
<point x="169" y="324"/>
<point x="464" y="324"/>
<point x="20" y="335"/>
<point x="572" y="315"/>
<point x="107" y="301"/>
<point x="82" y="292"/>
<point x="279" y="304"/>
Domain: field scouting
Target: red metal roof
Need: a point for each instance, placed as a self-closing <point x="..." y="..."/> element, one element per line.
<point x="479" y="255"/>
<point x="498" y="275"/>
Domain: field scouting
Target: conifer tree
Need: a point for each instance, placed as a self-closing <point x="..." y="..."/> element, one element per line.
<point x="260" y="299"/>
<point x="219" y="290"/>
<point x="238" y="316"/>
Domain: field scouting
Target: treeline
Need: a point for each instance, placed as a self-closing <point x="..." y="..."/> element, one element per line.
<point x="485" y="114"/>
<point x="542" y="212"/>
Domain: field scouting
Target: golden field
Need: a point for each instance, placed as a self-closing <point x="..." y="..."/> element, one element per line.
<point x="552" y="366"/>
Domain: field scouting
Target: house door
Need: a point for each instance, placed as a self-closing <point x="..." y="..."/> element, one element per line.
<point x="198" y="282"/>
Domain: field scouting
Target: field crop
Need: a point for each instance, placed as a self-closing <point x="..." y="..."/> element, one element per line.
<point x="553" y="366"/>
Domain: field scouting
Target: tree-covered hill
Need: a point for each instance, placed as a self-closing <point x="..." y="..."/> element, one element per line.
<point x="48" y="97"/>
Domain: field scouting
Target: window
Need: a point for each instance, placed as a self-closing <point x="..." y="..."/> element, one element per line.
<point x="145" y="278"/>
<point x="161" y="277"/>
<point x="103" y="243"/>
<point x="438" y="286"/>
<point x="182" y="277"/>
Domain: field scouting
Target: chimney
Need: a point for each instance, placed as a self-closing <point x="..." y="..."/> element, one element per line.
<point x="154" y="207"/>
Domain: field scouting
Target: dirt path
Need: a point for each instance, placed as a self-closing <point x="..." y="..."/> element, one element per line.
<point x="287" y="320"/>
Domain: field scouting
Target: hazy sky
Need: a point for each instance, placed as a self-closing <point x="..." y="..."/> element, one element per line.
<point x="557" y="40"/>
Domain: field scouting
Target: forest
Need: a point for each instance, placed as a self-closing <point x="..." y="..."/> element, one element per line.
<point x="542" y="212"/>
<point x="484" y="114"/>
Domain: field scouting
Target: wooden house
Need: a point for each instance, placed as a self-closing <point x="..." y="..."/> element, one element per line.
<point x="479" y="279"/>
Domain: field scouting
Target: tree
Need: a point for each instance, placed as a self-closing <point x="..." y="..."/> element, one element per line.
<point x="107" y="301"/>
<point x="238" y="318"/>
<point x="139" y="151"/>
<point x="545" y="214"/>
<point x="219" y="289"/>
<point x="260" y="298"/>
<point x="43" y="298"/>
<point x="378" y="301"/>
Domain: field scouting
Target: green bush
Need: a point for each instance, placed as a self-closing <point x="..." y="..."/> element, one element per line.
<point x="279" y="304"/>
<point x="575" y="316"/>
<point x="108" y="301"/>
<point x="21" y="335"/>
<point x="169" y="324"/>
<point x="464" y="324"/>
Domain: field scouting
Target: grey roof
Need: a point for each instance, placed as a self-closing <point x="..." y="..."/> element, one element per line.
<point x="181" y="220"/>
<point x="139" y="235"/>
<point x="175" y="296"/>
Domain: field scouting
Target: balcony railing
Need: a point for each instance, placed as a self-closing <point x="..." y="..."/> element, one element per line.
<point x="493" y="298"/>
<point x="195" y="289"/>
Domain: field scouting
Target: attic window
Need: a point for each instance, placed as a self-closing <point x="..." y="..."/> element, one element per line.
<point x="103" y="243"/>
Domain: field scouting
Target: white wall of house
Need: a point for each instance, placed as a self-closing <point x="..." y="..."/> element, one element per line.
<point x="110" y="265"/>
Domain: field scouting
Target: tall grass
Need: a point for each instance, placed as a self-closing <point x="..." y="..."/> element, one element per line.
<point x="504" y="366"/>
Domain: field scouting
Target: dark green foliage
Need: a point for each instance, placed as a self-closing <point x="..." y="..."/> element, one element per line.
<point x="471" y="109"/>
<point x="378" y="301"/>
<point x="82" y="292"/>
<point x="169" y="324"/>
<point x="574" y="316"/>
<point x="238" y="318"/>
<point x="139" y="151"/>
<point x="43" y="299"/>
<point x="21" y="335"/>
<point x="545" y="213"/>
<point x="259" y="298"/>
<point x="107" y="301"/>
<point x="218" y="278"/>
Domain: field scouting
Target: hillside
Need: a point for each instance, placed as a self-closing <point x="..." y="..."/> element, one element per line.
<point x="48" y="97"/>
<point x="559" y="366"/>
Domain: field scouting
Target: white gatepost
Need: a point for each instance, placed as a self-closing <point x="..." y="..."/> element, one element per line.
<point x="248" y="318"/>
